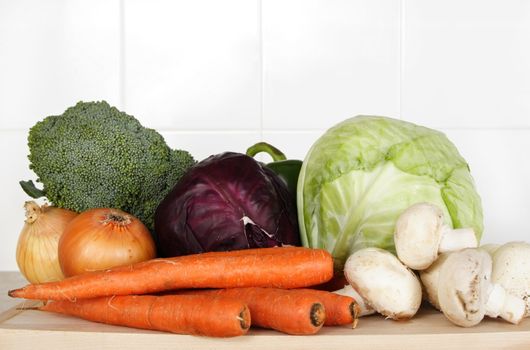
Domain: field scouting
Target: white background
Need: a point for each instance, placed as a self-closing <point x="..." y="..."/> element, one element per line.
<point x="218" y="75"/>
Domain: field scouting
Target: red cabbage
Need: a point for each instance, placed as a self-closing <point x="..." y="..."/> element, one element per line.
<point x="228" y="201"/>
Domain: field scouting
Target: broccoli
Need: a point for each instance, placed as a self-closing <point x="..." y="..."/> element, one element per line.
<point x="95" y="156"/>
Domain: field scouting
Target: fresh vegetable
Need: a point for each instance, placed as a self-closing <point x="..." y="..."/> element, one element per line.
<point x="340" y="309"/>
<point x="287" y="169"/>
<point x="226" y="202"/>
<point x="183" y="314"/>
<point x="384" y="283"/>
<point x="292" y="311"/>
<point x="37" y="244"/>
<point x="363" y="308"/>
<point x="286" y="267"/>
<point x="465" y="292"/>
<point x="429" y="279"/>
<point x="98" y="239"/>
<point x="94" y="156"/>
<point x="364" y="172"/>
<point x="490" y="248"/>
<point x="511" y="269"/>
<point x="421" y="235"/>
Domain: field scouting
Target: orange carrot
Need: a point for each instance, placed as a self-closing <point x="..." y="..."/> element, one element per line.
<point x="340" y="309"/>
<point x="292" y="267"/>
<point x="290" y="311"/>
<point x="183" y="314"/>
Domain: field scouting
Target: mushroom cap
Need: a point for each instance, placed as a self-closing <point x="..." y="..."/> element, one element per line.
<point x="418" y="234"/>
<point x="429" y="279"/>
<point x="490" y="248"/>
<point x="463" y="286"/>
<point x="384" y="282"/>
<point x="511" y="269"/>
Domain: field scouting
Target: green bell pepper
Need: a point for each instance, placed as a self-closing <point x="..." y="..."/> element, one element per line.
<point x="287" y="169"/>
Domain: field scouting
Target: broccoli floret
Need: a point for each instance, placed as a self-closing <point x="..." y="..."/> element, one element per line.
<point x="94" y="156"/>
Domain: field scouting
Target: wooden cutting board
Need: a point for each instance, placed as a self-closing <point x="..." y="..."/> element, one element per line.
<point x="429" y="330"/>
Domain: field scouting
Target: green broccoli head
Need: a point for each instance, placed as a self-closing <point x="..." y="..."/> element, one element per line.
<point x="94" y="156"/>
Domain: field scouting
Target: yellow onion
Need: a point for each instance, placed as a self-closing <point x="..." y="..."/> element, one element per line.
<point x="37" y="248"/>
<point x="102" y="238"/>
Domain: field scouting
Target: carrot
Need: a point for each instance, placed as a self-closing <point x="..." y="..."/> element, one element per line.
<point x="340" y="309"/>
<point x="183" y="314"/>
<point x="292" y="267"/>
<point x="290" y="311"/>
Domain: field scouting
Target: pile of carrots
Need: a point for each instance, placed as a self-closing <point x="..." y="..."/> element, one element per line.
<point x="218" y="294"/>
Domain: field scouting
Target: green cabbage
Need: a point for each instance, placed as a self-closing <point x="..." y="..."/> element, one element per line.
<point x="364" y="172"/>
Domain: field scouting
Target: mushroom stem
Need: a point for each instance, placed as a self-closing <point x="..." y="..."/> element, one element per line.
<point x="456" y="239"/>
<point x="421" y="235"/>
<point x="511" y="269"/>
<point x="507" y="306"/>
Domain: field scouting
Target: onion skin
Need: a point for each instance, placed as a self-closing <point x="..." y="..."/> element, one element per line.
<point x="37" y="246"/>
<point x="102" y="238"/>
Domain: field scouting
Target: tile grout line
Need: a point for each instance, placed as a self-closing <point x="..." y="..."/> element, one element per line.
<point x="521" y="128"/>
<point x="261" y="68"/>
<point x="401" y="55"/>
<point x="122" y="55"/>
<point x="303" y="131"/>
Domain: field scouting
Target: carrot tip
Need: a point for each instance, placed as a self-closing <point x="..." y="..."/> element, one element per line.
<point x="14" y="293"/>
<point x="317" y="314"/>
<point x="355" y="312"/>
<point x="244" y="318"/>
<point x="354" y="323"/>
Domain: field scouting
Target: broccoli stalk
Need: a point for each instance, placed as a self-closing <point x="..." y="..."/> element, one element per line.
<point x="95" y="156"/>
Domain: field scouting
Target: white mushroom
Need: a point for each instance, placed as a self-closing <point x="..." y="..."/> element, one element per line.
<point x="421" y="234"/>
<point x="384" y="282"/>
<point x="490" y="248"/>
<point x="364" y="308"/>
<point x="465" y="294"/>
<point x="429" y="279"/>
<point x="511" y="269"/>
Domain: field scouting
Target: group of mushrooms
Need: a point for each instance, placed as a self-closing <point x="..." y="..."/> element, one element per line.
<point x="462" y="280"/>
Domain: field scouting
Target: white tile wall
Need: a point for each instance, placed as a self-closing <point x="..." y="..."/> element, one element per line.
<point x="466" y="63"/>
<point x="13" y="157"/>
<point x="324" y="61"/>
<point x="221" y="75"/>
<point x="294" y="144"/>
<point x="55" y="53"/>
<point x="193" y="64"/>
<point x="497" y="159"/>
<point x="206" y="143"/>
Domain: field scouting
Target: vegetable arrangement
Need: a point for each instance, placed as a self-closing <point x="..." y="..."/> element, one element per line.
<point x="148" y="238"/>
<point x="254" y="277"/>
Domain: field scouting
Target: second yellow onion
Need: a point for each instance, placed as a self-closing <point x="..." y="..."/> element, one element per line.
<point x="102" y="238"/>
